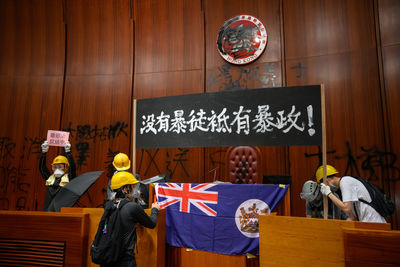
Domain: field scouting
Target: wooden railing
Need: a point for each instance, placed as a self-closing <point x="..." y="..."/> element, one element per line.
<point x="43" y="238"/>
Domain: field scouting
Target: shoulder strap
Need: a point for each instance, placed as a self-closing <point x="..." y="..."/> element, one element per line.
<point x="122" y="203"/>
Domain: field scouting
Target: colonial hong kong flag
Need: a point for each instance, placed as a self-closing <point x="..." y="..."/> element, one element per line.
<point x="220" y="218"/>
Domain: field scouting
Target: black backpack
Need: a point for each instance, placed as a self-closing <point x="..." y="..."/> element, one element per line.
<point x="380" y="201"/>
<point x="107" y="246"/>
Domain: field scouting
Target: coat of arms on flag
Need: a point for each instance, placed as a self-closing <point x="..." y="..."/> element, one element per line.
<point x="220" y="218"/>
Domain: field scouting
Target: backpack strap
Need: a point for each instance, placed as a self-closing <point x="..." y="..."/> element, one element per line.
<point x="355" y="211"/>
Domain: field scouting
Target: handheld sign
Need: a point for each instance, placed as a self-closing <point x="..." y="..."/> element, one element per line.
<point x="57" y="138"/>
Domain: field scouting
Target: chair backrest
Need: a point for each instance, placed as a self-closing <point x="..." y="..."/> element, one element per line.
<point x="244" y="165"/>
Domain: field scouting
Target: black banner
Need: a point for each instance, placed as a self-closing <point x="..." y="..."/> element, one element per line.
<point x="279" y="116"/>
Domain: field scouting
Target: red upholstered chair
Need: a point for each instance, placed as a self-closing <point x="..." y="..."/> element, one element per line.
<point x="244" y="165"/>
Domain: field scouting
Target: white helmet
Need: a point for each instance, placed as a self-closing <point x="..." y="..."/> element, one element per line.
<point x="310" y="191"/>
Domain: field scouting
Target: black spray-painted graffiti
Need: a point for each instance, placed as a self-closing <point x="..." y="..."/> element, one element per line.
<point x="6" y="148"/>
<point x="178" y="159"/>
<point x="110" y="158"/>
<point x="229" y="77"/>
<point x="13" y="173"/>
<point x="299" y="67"/>
<point x="82" y="134"/>
<point x="373" y="161"/>
<point x="173" y="162"/>
<point x="16" y="179"/>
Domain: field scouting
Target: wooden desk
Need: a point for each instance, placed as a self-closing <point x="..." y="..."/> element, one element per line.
<point x="30" y="238"/>
<point x="299" y="241"/>
<point x="371" y="247"/>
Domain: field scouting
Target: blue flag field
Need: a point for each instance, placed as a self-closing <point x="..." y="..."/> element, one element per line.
<point x="219" y="218"/>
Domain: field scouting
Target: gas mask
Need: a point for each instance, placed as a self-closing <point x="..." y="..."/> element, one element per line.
<point x="58" y="173"/>
<point x="135" y="195"/>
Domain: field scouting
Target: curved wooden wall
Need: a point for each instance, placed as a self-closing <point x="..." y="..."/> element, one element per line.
<point x="31" y="85"/>
<point x="77" y="65"/>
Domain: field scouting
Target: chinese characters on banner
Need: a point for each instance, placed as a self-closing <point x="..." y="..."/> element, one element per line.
<point x="264" y="117"/>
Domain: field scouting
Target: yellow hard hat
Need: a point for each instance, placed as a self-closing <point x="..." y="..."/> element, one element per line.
<point x="330" y="170"/>
<point x="60" y="160"/>
<point x="121" y="162"/>
<point x="122" y="178"/>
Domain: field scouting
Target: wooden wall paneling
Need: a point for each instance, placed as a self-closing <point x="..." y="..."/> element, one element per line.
<point x="160" y="84"/>
<point x="100" y="35"/>
<point x="355" y="136"/>
<point x="389" y="21"/>
<point x="390" y="45"/>
<point x="184" y="165"/>
<point x="169" y="61"/>
<point x="168" y="36"/>
<point x="314" y="27"/>
<point x="265" y="72"/>
<point x="215" y="165"/>
<point x="31" y="70"/>
<point x="349" y="70"/>
<point x="97" y="113"/>
<point x="349" y="109"/>
<point x="97" y="102"/>
<point x="275" y="160"/>
<point x="32" y="39"/>
<point x="391" y="54"/>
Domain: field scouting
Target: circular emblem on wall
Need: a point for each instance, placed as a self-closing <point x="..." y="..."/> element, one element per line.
<point x="242" y="39"/>
<point x="246" y="216"/>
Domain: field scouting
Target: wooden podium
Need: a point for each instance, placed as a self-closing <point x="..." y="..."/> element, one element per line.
<point x="299" y="241"/>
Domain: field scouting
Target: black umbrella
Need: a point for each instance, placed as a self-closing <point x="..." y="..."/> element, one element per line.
<point x="70" y="193"/>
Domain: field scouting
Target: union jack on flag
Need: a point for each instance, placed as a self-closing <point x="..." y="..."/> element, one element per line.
<point x="187" y="195"/>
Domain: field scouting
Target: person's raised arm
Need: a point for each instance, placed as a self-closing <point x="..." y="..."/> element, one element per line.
<point x="42" y="161"/>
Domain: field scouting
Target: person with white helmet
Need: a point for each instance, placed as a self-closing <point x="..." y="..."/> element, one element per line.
<point x="311" y="193"/>
<point x="123" y="184"/>
<point x="352" y="192"/>
<point x="64" y="171"/>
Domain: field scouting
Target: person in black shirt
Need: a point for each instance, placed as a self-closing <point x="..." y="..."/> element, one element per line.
<point x="122" y="183"/>
<point x="64" y="171"/>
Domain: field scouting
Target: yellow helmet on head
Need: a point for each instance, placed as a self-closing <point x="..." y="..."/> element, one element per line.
<point x="61" y="160"/>
<point x="330" y="170"/>
<point x="122" y="178"/>
<point x="121" y="162"/>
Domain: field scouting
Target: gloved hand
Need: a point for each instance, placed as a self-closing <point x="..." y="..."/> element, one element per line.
<point x="67" y="146"/>
<point x="325" y="189"/>
<point x="45" y="147"/>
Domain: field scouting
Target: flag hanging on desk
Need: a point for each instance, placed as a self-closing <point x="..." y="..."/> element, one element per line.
<point x="220" y="218"/>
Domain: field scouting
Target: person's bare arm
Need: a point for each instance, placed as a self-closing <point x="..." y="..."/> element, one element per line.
<point x="344" y="206"/>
